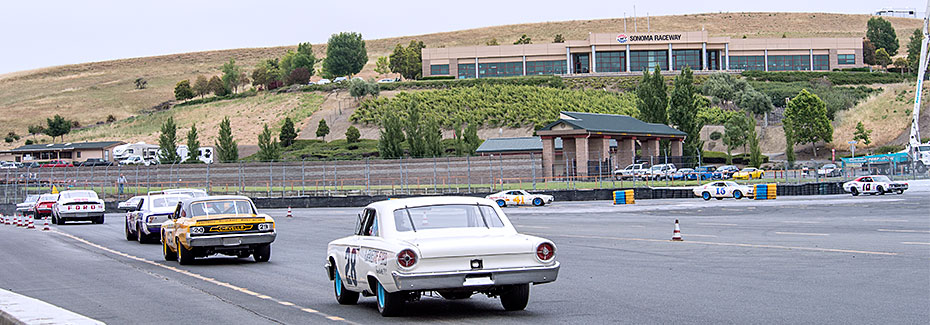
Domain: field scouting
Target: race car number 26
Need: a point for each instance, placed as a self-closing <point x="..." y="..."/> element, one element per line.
<point x="351" y="257"/>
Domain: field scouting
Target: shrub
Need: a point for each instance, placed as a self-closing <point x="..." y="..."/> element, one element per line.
<point x="111" y="118"/>
<point x="836" y="77"/>
<point x="438" y="78"/>
<point x="888" y="149"/>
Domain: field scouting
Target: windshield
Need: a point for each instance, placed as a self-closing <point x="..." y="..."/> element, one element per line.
<point x="748" y="169"/>
<point x="685" y="170"/>
<point x="79" y="194"/>
<point x="224" y="207"/>
<point x="31" y="198"/>
<point x="48" y="197"/>
<point x="157" y="202"/>
<point x="446" y="216"/>
<point x="880" y="178"/>
<point x="190" y="193"/>
<point x="829" y="166"/>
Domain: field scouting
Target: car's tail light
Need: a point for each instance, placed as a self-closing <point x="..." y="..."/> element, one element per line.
<point x="407" y="258"/>
<point x="545" y="252"/>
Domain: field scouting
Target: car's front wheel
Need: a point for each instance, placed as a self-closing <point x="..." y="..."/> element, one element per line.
<point x="737" y="194"/>
<point x="389" y="304"/>
<point x="343" y="295"/>
<point x="262" y="253"/>
<point x="881" y="190"/>
<point x="516" y="297"/>
<point x="538" y="202"/>
<point x="501" y="203"/>
<point x="185" y="256"/>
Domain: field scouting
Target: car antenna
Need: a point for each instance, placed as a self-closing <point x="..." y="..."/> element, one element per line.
<point x="483" y="219"/>
<point x="407" y="209"/>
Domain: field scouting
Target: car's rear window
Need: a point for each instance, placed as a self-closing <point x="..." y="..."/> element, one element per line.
<point x="79" y="194"/>
<point x="880" y="178"/>
<point x="165" y="201"/>
<point x="446" y="216"/>
<point x="224" y="207"/>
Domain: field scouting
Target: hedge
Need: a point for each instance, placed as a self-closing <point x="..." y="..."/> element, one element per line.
<point x="835" y="77"/>
<point x="244" y="94"/>
<point x="543" y="81"/>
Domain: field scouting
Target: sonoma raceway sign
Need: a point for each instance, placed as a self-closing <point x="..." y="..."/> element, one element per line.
<point x="622" y="38"/>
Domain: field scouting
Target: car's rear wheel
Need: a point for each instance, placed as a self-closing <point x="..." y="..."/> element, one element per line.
<point x="501" y="203"/>
<point x="705" y="196"/>
<point x="538" y="202"/>
<point x="343" y="295"/>
<point x="262" y="253"/>
<point x="98" y="220"/>
<point x="900" y="191"/>
<point x="389" y="304"/>
<point x="185" y="256"/>
<point x="516" y="297"/>
<point x="170" y="255"/>
<point x="129" y="235"/>
<point x="737" y="194"/>
<point x="854" y="191"/>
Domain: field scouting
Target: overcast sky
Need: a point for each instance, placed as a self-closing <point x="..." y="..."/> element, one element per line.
<point x="40" y="33"/>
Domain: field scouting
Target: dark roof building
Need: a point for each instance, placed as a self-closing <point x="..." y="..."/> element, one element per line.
<point x="520" y="145"/>
<point x="71" y="151"/>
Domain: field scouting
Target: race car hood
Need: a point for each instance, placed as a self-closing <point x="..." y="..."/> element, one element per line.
<point x="474" y="245"/>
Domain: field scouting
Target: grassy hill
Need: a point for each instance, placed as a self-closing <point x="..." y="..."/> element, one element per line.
<point x="90" y="92"/>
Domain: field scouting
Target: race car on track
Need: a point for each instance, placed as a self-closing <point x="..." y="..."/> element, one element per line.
<point x="228" y="225"/>
<point x="77" y="205"/>
<point x="43" y="206"/>
<point x="519" y="197"/>
<point x="454" y="246"/>
<point x="874" y="184"/>
<point x="27" y="207"/>
<point x="723" y="189"/>
<point x="143" y="223"/>
<point x="749" y="173"/>
<point x="131" y="204"/>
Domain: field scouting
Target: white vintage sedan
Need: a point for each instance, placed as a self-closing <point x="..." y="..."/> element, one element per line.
<point x="519" y="197"/>
<point x="723" y="189"/>
<point x="75" y="205"/>
<point x="454" y="246"/>
<point x="874" y="184"/>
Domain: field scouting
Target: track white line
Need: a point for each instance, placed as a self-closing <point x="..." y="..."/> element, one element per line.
<point x="914" y="243"/>
<point x="693" y="235"/>
<point x="886" y="220"/>
<point x="802" y="222"/>
<point x="717" y="224"/>
<point x="905" y="230"/>
<point x="800" y="233"/>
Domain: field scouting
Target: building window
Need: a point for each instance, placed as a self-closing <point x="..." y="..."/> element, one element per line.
<point x="466" y="71"/>
<point x="501" y="69"/>
<point x="751" y="62"/>
<point x="439" y="70"/>
<point x="65" y="155"/>
<point x="789" y="62"/>
<point x="845" y="59"/>
<point x="642" y="60"/>
<point x="609" y="61"/>
<point x="79" y="154"/>
<point x="822" y="62"/>
<point x="686" y="58"/>
<point x="547" y="67"/>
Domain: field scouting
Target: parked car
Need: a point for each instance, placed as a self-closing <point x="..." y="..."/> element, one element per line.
<point x="661" y="172"/>
<point x="76" y="205"/>
<point x="749" y="173"/>
<point x="519" y="197"/>
<point x="340" y="79"/>
<point x="386" y="80"/>
<point x="631" y="171"/>
<point x="57" y="163"/>
<point x="143" y="224"/>
<point x="727" y="171"/>
<point x="7" y="165"/>
<point x="90" y="162"/>
<point x="27" y="207"/>
<point x="829" y="170"/>
<point x="455" y="246"/>
<point x="323" y="81"/>
<point x="130" y="205"/>
<point x="137" y="160"/>
<point x="228" y="225"/>
<point x="682" y="174"/>
<point x="874" y="184"/>
<point x="723" y="189"/>
<point x="705" y="173"/>
<point x="31" y="164"/>
<point x="43" y="207"/>
<point x="192" y="192"/>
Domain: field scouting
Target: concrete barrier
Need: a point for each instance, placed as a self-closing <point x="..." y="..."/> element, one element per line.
<point x="16" y="309"/>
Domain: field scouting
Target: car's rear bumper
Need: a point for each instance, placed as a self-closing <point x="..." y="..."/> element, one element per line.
<point x="231" y="239"/>
<point x="456" y="279"/>
<point x="80" y="215"/>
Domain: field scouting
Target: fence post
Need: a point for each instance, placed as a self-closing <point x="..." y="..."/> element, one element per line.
<point x="270" y="177"/>
<point x="209" y="184"/>
<point x="435" y="189"/>
<point x="303" y="176"/>
<point x="468" y="164"/>
<point x="367" y="175"/>
<point x="533" y="162"/>
<point x="283" y="179"/>
<point x="335" y="176"/>
<point x="491" y="172"/>
<point x="501" y="163"/>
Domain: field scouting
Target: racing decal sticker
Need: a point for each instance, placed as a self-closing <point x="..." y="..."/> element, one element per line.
<point x="721" y="191"/>
<point x="351" y="257"/>
<point x="867" y="187"/>
<point x="375" y="257"/>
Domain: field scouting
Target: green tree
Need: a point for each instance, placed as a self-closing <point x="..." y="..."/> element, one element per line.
<point x="226" y="148"/>
<point x="882" y="58"/>
<point x="407" y="61"/>
<point x="183" y="91"/>
<point x="414" y="131"/>
<point x="322" y="130"/>
<point x="390" y="144"/>
<point x="268" y="147"/>
<point x="682" y="112"/>
<point x="383" y="65"/>
<point x="901" y="64"/>
<point x="201" y="86"/>
<point x="299" y="76"/>
<point x="193" y="146"/>
<point x="724" y="88"/>
<point x="470" y="138"/>
<point x="913" y="49"/>
<point x="868" y="52"/>
<point x="216" y="86"/>
<point x="652" y="94"/>
<point x="288" y="133"/>
<point x="58" y="126"/>
<point x="882" y="34"/>
<point x="432" y="138"/>
<point x="358" y="88"/>
<point x="523" y="40"/>
<point x="862" y="134"/>
<point x="755" y="102"/>
<point x="303" y="58"/>
<point x="735" y="134"/>
<point x="558" y="39"/>
<point x="140" y="83"/>
<point x="806" y="116"/>
<point x="168" y="142"/>
<point x="231" y="74"/>
<point x="345" y="54"/>
<point x="755" y="152"/>
<point x="267" y="73"/>
<point x="352" y="134"/>
<point x="789" y="144"/>
<point x="35" y="129"/>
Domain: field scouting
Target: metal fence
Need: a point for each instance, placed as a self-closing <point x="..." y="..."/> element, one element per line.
<point x="426" y="176"/>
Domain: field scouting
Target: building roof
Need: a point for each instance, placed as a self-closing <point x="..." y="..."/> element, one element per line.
<point x="610" y="123"/>
<point x="65" y="146"/>
<point x="520" y="144"/>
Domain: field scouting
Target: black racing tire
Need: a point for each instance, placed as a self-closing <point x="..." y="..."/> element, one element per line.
<point x="185" y="256"/>
<point x="900" y="191"/>
<point x="343" y="295"/>
<point x="262" y="253"/>
<point x="501" y="203"/>
<point x="737" y="194"/>
<point x="538" y="202"/>
<point x="455" y="295"/>
<point x="389" y="304"/>
<point x="881" y="190"/>
<point x="705" y="196"/>
<point x="854" y="191"/>
<point x="129" y="234"/>
<point x="170" y="255"/>
<point x="516" y="297"/>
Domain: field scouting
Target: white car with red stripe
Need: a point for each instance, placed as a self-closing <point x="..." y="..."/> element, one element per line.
<point x="874" y="184"/>
<point x="78" y="205"/>
<point x="519" y="197"/>
<point x="454" y="246"/>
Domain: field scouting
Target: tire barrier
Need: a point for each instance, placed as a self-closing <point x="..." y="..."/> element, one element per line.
<point x="624" y="197"/>
<point x="766" y="191"/>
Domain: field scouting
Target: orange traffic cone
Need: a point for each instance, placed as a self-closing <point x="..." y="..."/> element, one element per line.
<point x="289" y="215"/>
<point x="45" y="227"/>
<point x="676" y="236"/>
<point x="31" y="225"/>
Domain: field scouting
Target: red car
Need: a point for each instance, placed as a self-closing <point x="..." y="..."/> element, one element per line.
<point x="43" y="207"/>
<point x="57" y="163"/>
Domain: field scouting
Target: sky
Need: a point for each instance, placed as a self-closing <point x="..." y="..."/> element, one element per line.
<point x="41" y="33"/>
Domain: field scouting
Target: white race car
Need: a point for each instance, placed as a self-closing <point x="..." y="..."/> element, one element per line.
<point x="519" y="197"/>
<point x="130" y="205"/>
<point x="77" y="205"/>
<point x="875" y="184"/>
<point x="723" y="189"/>
<point x="455" y="246"/>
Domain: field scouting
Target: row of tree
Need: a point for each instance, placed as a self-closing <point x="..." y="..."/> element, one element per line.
<point x="881" y="45"/>
<point x="422" y="135"/>
<point x="227" y="149"/>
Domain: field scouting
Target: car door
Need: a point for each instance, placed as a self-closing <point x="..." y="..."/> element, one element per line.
<point x="372" y="258"/>
<point x="137" y="215"/>
<point x="516" y="197"/>
<point x="866" y="185"/>
<point x="351" y="269"/>
<point x="720" y="189"/>
<point x="171" y="228"/>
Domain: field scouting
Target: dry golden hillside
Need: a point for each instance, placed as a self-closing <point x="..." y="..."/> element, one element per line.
<point x="89" y="92"/>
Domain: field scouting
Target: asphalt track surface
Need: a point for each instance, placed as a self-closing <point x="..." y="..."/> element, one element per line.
<point x="817" y="259"/>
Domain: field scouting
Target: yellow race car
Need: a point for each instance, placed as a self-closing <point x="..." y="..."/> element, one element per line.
<point x="228" y="225"/>
<point x="749" y="173"/>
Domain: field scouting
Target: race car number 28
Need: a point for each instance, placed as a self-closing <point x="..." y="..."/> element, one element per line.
<point x="351" y="257"/>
